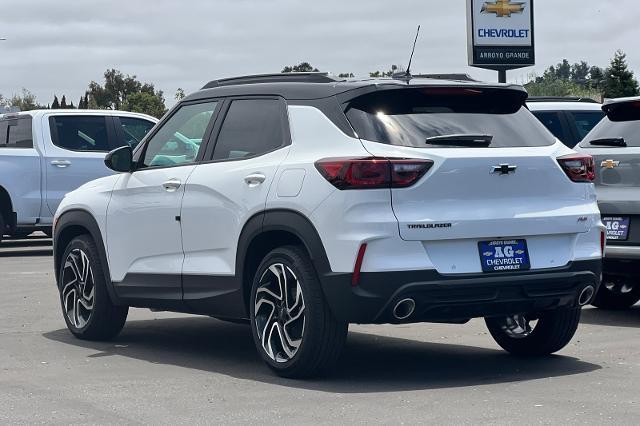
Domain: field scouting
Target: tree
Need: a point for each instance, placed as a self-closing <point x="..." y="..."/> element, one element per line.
<point x="301" y="67"/>
<point x="618" y="79"/>
<point x="117" y="91"/>
<point x="56" y="103"/>
<point x="179" y="94"/>
<point x="147" y="103"/>
<point x="596" y="78"/>
<point x="63" y="102"/>
<point x="346" y="75"/>
<point x="579" y="73"/>
<point x="378" y="74"/>
<point x="25" y="101"/>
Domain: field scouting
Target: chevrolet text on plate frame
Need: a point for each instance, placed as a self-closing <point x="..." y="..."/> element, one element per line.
<point x="500" y="33"/>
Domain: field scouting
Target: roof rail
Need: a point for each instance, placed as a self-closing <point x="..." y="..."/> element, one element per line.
<point x="290" y="77"/>
<point x="561" y="99"/>
<point x="453" y="76"/>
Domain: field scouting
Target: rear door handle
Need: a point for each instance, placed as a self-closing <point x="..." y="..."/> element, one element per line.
<point x="254" y="179"/>
<point x="171" y="185"/>
<point x="60" y="163"/>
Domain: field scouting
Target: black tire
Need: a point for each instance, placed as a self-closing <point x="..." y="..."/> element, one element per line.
<point x="2" y="225"/>
<point x="322" y="337"/>
<point x="104" y="320"/>
<point x="554" y="331"/>
<point x="617" y="292"/>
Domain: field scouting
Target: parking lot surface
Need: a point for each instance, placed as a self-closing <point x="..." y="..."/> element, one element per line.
<point x="180" y="369"/>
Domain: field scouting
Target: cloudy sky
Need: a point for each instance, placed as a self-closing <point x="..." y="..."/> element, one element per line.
<point x="59" y="46"/>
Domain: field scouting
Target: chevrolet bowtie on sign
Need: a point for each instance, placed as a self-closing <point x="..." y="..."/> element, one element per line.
<point x="503" y="8"/>
<point x="500" y="33"/>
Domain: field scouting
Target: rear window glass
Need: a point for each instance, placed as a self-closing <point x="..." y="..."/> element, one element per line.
<point x="16" y="133"/>
<point x="629" y="130"/>
<point x="407" y="117"/>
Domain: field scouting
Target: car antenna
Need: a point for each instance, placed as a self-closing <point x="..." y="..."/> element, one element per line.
<point x="406" y="75"/>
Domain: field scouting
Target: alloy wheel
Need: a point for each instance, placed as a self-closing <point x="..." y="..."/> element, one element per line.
<point x="78" y="288"/>
<point x="279" y="312"/>
<point x="518" y="326"/>
<point x="619" y="285"/>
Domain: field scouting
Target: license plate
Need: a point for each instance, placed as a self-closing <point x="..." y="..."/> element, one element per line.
<point x="504" y="255"/>
<point x="617" y="227"/>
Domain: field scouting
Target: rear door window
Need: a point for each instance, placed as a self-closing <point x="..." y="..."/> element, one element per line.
<point x="16" y="133"/>
<point x="584" y="121"/>
<point x="553" y="122"/>
<point x="80" y="133"/>
<point x="407" y="117"/>
<point x="251" y="127"/>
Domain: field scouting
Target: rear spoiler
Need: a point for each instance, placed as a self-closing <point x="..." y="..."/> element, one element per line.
<point x="622" y="109"/>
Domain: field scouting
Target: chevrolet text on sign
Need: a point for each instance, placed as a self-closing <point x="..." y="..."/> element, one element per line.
<point x="500" y="33"/>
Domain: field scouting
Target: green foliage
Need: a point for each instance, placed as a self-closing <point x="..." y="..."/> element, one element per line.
<point x="618" y="79"/>
<point x="301" y="67"/>
<point x="378" y="74"/>
<point x="346" y="75"/>
<point x="179" y="94"/>
<point x="125" y="92"/>
<point x="147" y="103"/>
<point x="25" y="101"/>
<point x="56" y="103"/>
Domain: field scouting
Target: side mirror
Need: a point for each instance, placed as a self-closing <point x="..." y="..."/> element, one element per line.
<point x="120" y="159"/>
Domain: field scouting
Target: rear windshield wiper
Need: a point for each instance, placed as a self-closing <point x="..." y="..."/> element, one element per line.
<point x="609" y="142"/>
<point x="461" y="140"/>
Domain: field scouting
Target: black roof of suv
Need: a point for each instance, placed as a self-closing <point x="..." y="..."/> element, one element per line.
<point x="306" y="86"/>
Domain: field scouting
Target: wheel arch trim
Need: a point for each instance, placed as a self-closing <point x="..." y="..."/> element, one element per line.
<point x="85" y="220"/>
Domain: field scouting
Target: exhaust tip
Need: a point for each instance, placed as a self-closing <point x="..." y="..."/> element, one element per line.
<point x="586" y="295"/>
<point x="404" y="309"/>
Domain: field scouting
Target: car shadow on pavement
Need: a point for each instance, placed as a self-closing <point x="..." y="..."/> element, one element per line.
<point x="370" y="363"/>
<point x="622" y="318"/>
<point x="32" y="246"/>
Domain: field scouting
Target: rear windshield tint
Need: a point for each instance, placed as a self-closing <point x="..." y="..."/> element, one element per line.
<point x="407" y="117"/>
<point x="629" y="130"/>
<point x="16" y="133"/>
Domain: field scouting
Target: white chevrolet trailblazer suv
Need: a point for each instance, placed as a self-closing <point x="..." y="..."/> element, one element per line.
<point x="301" y="203"/>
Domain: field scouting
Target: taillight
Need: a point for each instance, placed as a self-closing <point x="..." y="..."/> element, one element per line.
<point x="372" y="172"/>
<point x="603" y="242"/>
<point x="579" y="167"/>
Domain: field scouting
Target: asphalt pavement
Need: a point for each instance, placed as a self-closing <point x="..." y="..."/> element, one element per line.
<point x="178" y="369"/>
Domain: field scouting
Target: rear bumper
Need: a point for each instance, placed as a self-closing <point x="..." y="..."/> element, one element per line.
<point x="457" y="298"/>
<point x="622" y="252"/>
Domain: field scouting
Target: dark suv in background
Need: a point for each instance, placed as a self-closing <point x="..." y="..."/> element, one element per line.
<point x="615" y="146"/>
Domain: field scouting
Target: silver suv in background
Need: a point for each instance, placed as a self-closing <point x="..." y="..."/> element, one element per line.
<point x="615" y="145"/>
<point x="568" y="118"/>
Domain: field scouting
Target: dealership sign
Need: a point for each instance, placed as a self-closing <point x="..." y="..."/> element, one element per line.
<point x="500" y="33"/>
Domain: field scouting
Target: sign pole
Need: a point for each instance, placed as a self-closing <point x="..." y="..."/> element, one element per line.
<point x="502" y="75"/>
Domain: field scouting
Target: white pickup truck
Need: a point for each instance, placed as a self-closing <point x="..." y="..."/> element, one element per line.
<point x="46" y="153"/>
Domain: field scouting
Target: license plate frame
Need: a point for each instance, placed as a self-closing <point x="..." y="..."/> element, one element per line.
<point x="504" y="255"/>
<point x="617" y="227"/>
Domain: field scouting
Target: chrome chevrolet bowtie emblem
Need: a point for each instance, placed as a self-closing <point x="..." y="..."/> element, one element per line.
<point x="502" y="8"/>
<point x="504" y="169"/>
<point x="609" y="164"/>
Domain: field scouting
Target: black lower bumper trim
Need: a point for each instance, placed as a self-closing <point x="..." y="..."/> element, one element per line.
<point x="456" y="298"/>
